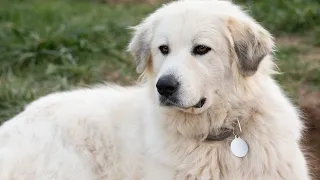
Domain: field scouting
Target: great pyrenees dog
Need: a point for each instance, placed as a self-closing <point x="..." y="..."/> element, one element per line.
<point x="207" y="108"/>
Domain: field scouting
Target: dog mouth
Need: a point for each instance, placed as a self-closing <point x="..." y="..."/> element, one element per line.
<point x="198" y="105"/>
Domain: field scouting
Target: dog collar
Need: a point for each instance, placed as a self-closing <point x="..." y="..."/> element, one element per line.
<point x="224" y="134"/>
<point x="238" y="146"/>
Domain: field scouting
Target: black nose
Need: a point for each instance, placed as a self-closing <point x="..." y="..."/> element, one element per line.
<point x="167" y="85"/>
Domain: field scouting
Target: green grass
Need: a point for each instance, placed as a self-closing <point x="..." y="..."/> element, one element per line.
<point x="285" y="16"/>
<point x="298" y="74"/>
<point x="53" y="45"/>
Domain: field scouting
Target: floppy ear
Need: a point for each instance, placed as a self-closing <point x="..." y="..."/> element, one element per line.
<point x="139" y="47"/>
<point x="251" y="43"/>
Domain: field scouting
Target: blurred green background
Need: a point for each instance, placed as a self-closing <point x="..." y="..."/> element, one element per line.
<point x="53" y="45"/>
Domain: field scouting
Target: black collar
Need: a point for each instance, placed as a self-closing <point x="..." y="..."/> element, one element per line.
<point x="223" y="134"/>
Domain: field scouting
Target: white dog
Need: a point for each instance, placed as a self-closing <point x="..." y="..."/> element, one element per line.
<point x="208" y="72"/>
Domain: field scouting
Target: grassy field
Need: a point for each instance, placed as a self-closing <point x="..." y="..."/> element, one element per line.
<point x="53" y="45"/>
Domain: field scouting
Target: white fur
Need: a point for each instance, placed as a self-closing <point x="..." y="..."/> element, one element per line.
<point x="113" y="132"/>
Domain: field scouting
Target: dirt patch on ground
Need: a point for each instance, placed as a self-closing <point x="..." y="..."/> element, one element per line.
<point x="310" y="105"/>
<point x="312" y="56"/>
<point x="288" y="40"/>
<point x="311" y="53"/>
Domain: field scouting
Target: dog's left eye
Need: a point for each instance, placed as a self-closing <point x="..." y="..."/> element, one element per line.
<point x="200" y="50"/>
<point x="164" y="49"/>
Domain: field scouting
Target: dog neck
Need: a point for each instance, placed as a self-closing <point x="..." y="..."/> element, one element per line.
<point x="216" y="124"/>
<point x="225" y="132"/>
<point x="222" y="135"/>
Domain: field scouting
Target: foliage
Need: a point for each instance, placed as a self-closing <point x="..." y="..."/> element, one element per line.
<point x="53" y="45"/>
<point x="285" y="16"/>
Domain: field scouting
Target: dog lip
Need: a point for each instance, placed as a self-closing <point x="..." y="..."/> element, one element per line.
<point x="171" y="103"/>
<point x="200" y="103"/>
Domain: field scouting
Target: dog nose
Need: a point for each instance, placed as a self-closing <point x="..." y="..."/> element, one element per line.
<point x="167" y="85"/>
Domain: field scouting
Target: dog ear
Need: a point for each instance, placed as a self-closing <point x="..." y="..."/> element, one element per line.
<point x="139" y="46"/>
<point x="251" y="43"/>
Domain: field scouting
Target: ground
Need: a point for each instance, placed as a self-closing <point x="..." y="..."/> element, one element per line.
<point x="53" y="45"/>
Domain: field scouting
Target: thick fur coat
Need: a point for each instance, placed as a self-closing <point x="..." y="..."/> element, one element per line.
<point x="219" y="56"/>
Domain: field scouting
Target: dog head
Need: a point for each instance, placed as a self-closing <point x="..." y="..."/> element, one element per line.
<point x="192" y="49"/>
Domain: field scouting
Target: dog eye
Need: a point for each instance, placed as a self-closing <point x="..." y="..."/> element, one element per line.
<point x="201" y="50"/>
<point x="164" y="49"/>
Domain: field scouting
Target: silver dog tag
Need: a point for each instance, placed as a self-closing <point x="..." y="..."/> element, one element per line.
<point x="239" y="147"/>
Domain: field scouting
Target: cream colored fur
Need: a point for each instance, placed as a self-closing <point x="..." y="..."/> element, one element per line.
<point x="118" y="133"/>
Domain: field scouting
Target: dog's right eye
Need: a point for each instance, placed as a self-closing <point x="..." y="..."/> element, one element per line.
<point x="201" y="50"/>
<point x="164" y="49"/>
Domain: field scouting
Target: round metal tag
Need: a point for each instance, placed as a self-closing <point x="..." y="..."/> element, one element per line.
<point x="239" y="147"/>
